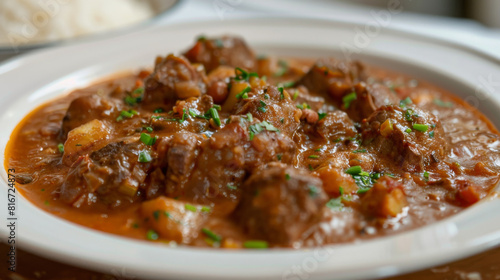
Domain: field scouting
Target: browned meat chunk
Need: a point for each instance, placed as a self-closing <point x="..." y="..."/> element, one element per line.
<point x="408" y="137"/>
<point x="365" y="99"/>
<point x="85" y="109"/>
<point x="336" y="126"/>
<point x="333" y="77"/>
<point x="227" y="50"/>
<point x="173" y="78"/>
<point x="111" y="176"/>
<point x="280" y="203"/>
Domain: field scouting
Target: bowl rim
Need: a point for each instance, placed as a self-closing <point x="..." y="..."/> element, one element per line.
<point x="381" y="271"/>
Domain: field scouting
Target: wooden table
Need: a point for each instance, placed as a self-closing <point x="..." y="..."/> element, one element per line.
<point x="484" y="266"/>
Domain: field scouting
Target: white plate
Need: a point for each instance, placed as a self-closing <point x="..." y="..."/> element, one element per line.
<point x="38" y="77"/>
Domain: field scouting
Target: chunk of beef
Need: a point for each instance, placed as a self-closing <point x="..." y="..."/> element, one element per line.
<point x="173" y="78"/>
<point x="280" y="203"/>
<point x="270" y="105"/>
<point x="335" y="126"/>
<point x="409" y="138"/>
<point x="227" y="50"/>
<point x="368" y="98"/>
<point x="224" y="161"/>
<point x="333" y="77"/>
<point x="87" y="108"/>
<point x="110" y="176"/>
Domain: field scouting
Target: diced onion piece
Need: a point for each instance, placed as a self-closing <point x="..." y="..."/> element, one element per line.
<point x="386" y="128"/>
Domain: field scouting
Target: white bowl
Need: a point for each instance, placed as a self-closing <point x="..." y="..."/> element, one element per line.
<point x="36" y="78"/>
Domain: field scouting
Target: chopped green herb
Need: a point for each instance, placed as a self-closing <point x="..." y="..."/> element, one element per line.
<point x="229" y="186"/>
<point x="214" y="115"/>
<point x="206" y="209"/>
<point x="321" y="116"/>
<point x="259" y="127"/>
<point x="282" y="95"/>
<point x="426" y="175"/>
<point x="144" y="156"/>
<point x="313" y="191"/>
<point x="282" y="69"/>
<point x="408" y="130"/>
<point x="442" y="103"/>
<point x="78" y="145"/>
<point x="335" y="204"/>
<point x="242" y="75"/>
<point x="287" y="176"/>
<point x="156" y="214"/>
<point x="135" y="96"/>
<point x="60" y="147"/>
<point x="255" y="244"/>
<point x="215" y="237"/>
<point x="266" y="96"/>
<point x="147" y="139"/>
<point x="46" y="202"/>
<point x="152" y="235"/>
<point x="310" y="167"/>
<point x="287" y="84"/>
<point x="295" y="95"/>
<point x="359" y="151"/>
<point x="262" y="107"/>
<point x="354" y="170"/>
<point x="244" y="93"/>
<point x="420" y="127"/>
<point x="42" y="190"/>
<point x="190" y="207"/>
<point x="249" y="117"/>
<point x="313" y="156"/>
<point x="409" y="115"/>
<point x="431" y="134"/>
<point x="405" y="102"/>
<point x="282" y="120"/>
<point x="348" y="99"/>
<point x="135" y="225"/>
<point x="126" y="115"/>
<point x="158" y="110"/>
<point x="149" y="129"/>
<point x="279" y="156"/>
<point x="341" y="190"/>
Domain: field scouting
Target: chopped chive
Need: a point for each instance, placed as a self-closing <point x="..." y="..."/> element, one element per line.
<point x="282" y="120"/>
<point x="295" y="95"/>
<point x="215" y="237"/>
<point x="206" y="209"/>
<point x="279" y="156"/>
<point x="255" y="244"/>
<point x="156" y="214"/>
<point x="158" y="110"/>
<point x="431" y="134"/>
<point x="313" y="156"/>
<point x="420" y="127"/>
<point x="335" y="204"/>
<point x="287" y="84"/>
<point x="149" y="129"/>
<point x="152" y="235"/>
<point x="341" y="191"/>
<point x="426" y="175"/>
<point x="126" y="114"/>
<point x="144" y="156"/>
<point x="310" y="167"/>
<point x="249" y="117"/>
<point x="354" y="170"/>
<point x="60" y="147"/>
<point x="313" y="191"/>
<point x="266" y="96"/>
<point x="287" y="176"/>
<point x="282" y="95"/>
<point x="215" y="115"/>
<point x="244" y="93"/>
<point x="190" y="207"/>
<point x="147" y="139"/>
<point x="408" y="130"/>
<point x="348" y="99"/>
<point x="229" y="186"/>
<point x="359" y="151"/>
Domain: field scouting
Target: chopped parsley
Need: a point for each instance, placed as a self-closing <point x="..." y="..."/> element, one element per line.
<point x="282" y="95"/>
<point x="135" y="96"/>
<point x="363" y="179"/>
<point x="60" y="147"/>
<point x="279" y="156"/>
<point x="262" y="106"/>
<point x="321" y="116"/>
<point x="335" y="204"/>
<point x="405" y="102"/>
<point x="313" y="191"/>
<point x="408" y="130"/>
<point x="287" y="176"/>
<point x="426" y="175"/>
<point x="149" y="129"/>
<point x="206" y="209"/>
<point x="259" y="127"/>
<point x="359" y="151"/>
<point x="348" y="99"/>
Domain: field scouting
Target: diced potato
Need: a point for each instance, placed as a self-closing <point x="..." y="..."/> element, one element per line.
<point x="384" y="199"/>
<point x="84" y="139"/>
<point x="236" y="88"/>
<point x="172" y="219"/>
<point x="334" y="178"/>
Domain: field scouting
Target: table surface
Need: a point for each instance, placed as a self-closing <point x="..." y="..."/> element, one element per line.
<point x="479" y="267"/>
